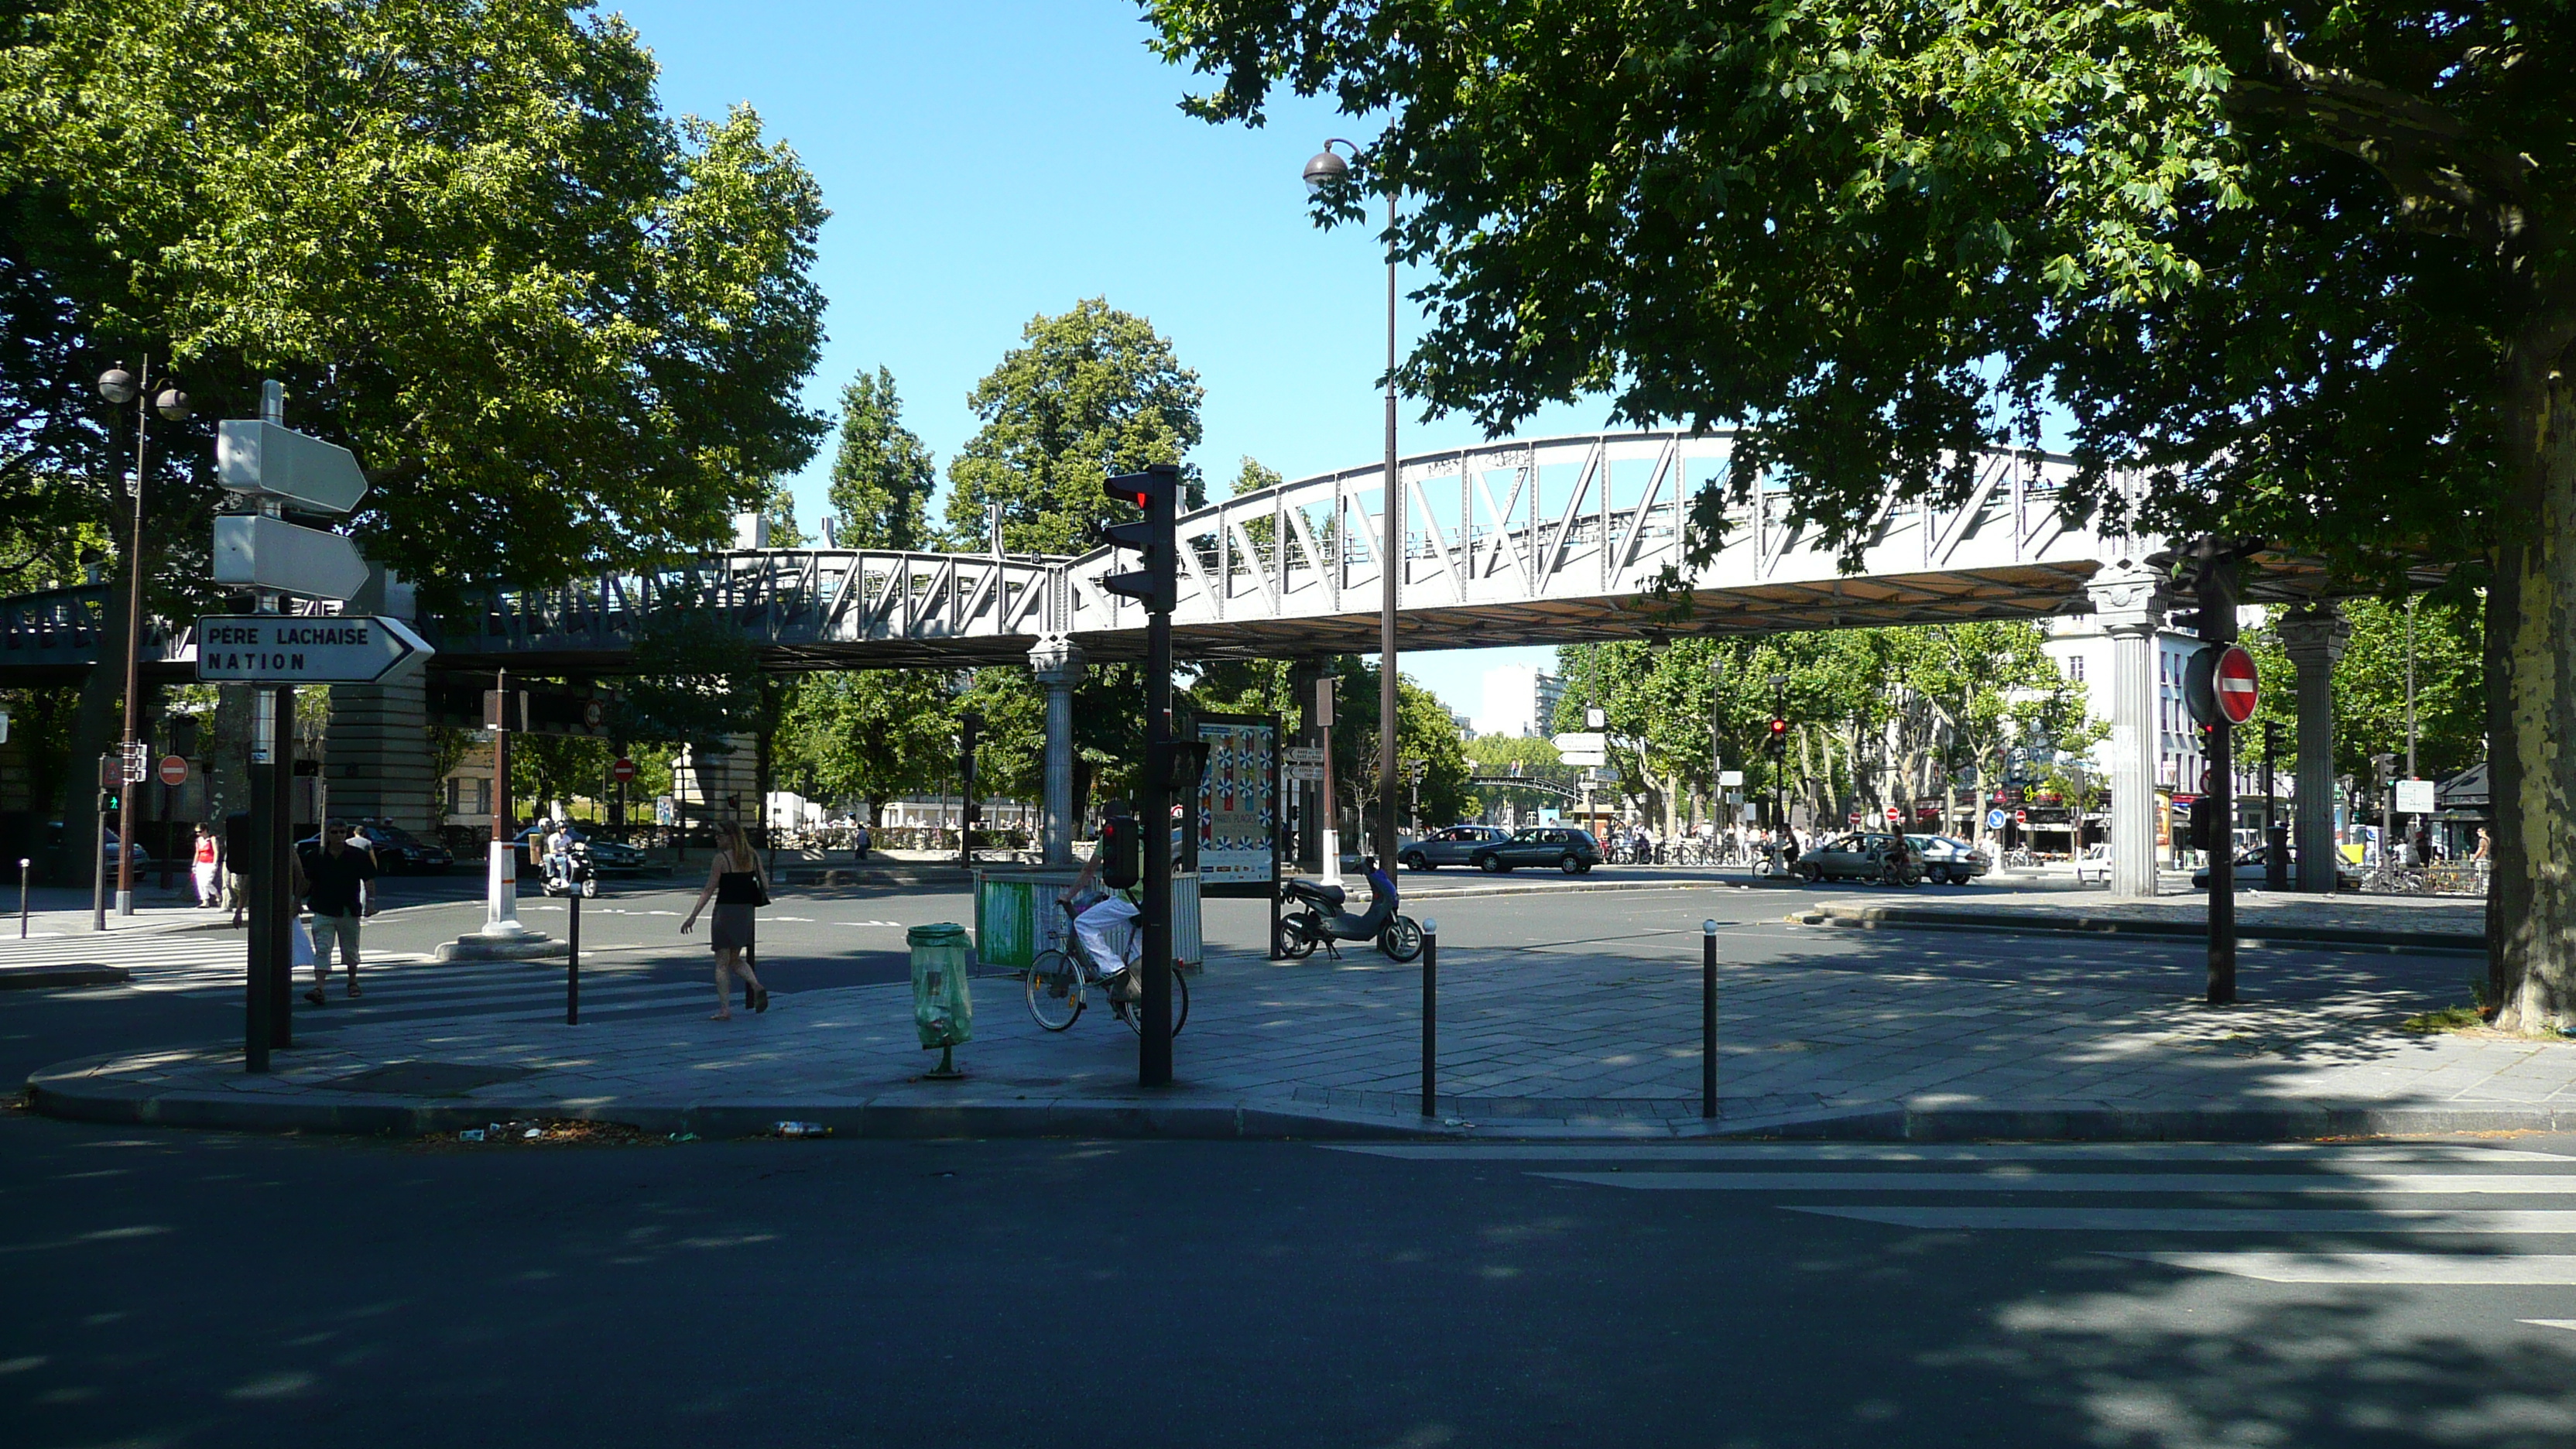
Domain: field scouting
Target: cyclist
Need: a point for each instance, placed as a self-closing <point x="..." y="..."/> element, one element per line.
<point x="1118" y="865"/>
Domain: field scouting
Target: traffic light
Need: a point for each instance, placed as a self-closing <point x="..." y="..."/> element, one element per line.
<point x="1778" y="736"/>
<point x="2204" y="824"/>
<point x="1154" y="492"/>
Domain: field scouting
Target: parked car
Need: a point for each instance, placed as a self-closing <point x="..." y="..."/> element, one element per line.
<point x="2251" y="872"/>
<point x="1858" y="856"/>
<point x="1453" y="846"/>
<point x="1568" y="849"/>
<point x="607" y="857"/>
<point x="107" y="848"/>
<point x="1948" y="860"/>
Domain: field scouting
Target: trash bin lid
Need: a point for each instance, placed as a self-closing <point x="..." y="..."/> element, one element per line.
<point x="945" y="933"/>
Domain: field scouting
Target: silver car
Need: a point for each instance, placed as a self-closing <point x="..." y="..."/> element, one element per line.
<point x="1948" y="860"/>
<point x="1456" y="845"/>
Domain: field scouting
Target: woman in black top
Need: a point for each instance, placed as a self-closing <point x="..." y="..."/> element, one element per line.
<point x="736" y="882"/>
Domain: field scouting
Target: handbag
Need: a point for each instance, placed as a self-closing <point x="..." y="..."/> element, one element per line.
<point x="759" y="890"/>
<point x="299" y="945"/>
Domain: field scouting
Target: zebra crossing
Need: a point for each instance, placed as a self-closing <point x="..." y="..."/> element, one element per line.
<point x="2275" y="1194"/>
<point x="395" y="987"/>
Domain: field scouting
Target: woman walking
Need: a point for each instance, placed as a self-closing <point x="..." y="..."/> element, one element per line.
<point x="735" y="881"/>
<point x="204" y="868"/>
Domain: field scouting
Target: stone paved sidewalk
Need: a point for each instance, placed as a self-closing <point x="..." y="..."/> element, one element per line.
<point x="1590" y="1037"/>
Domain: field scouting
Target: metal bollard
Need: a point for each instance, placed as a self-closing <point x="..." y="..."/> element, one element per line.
<point x="1430" y="1018"/>
<point x="572" y="966"/>
<point x="22" y="897"/>
<point x="1708" y="1019"/>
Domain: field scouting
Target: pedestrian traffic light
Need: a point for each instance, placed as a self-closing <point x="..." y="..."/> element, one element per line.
<point x="1154" y="493"/>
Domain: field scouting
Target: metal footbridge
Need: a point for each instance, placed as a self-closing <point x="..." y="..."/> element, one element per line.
<point x="1548" y="541"/>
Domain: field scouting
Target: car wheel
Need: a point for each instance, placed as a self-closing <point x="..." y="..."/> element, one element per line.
<point x="1414" y="860"/>
<point x="1489" y="864"/>
<point x="1568" y="864"/>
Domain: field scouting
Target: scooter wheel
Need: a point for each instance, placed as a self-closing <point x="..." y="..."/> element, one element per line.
<point x="1402" y="939"/>
<point x="1293" y="944"/>
<point x="589" y="889"/>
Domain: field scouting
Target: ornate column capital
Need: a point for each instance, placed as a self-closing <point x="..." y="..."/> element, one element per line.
<point x="2314" y="635"/>
<point x="2129" y="597"/>
<point x="1056" y="661"/>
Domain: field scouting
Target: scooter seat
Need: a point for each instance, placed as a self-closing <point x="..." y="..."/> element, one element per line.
<point x="1316" y="891"/>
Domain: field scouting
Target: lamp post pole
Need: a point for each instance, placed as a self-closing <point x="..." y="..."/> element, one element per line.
<point x="119" y="386"/>
<point x="1325" y="169"/>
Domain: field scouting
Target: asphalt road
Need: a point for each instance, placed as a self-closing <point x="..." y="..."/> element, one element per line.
<point x="203" y="1290"/>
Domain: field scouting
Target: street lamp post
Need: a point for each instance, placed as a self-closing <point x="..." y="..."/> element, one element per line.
<point x="1325" y="169"/>
<point x="120" y="387"/>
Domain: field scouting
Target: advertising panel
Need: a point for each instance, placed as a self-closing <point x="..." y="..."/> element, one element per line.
<point x="1238" y="804"/>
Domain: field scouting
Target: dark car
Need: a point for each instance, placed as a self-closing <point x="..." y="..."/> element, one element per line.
<point x="1568" y="849"/>
<point x="398" y="850"/>
<point x="1453" y="846"/>
<point x="106" y="848"/>
<point x="606" y="856"/>
<point x="1861" y="855"/>
<point x="2252" y="869"/>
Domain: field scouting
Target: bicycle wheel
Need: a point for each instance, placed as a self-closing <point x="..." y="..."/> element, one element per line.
<point x="1134" y="1011"/>
<point x="1055" y="990"/>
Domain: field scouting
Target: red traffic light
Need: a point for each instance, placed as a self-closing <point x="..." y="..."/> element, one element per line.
<point x="1157" y="484"/>
<point x="1779" y="726"/>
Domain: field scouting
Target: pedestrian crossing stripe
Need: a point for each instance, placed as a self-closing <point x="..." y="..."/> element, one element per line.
<point x="2213" y="1220"/>
<point x="2529" y="1270"/>
<point x="2338" y="1184"/>
<point x="1892" y="1152"/>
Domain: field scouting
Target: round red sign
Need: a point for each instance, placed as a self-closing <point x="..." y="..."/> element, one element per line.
<point x="2235" y="683"/>
<point x="2021" y="817"/>
<point x="1854" y="817"/>
<point x="1894" y="815"/>
<point x="622" y="771"/>
<point x="174" y="769"/>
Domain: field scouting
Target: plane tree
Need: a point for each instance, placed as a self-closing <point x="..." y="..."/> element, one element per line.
<point x="2299" y="272"/>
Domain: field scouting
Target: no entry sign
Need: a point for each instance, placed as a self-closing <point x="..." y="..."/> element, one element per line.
<point x="1894" y="815"/>
<point x="174" y="769"/>
<point x="2236" y="684"/>
<point x="622" y="771"/>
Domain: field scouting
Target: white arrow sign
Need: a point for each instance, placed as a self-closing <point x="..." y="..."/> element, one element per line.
<point x="287" y="649"/>
<point x="252" y="456"/>
<point x="270" y="553"/>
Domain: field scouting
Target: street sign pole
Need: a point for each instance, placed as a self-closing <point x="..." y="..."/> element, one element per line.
<point x="278" y="857"/>
<point x="2217" y="590"/>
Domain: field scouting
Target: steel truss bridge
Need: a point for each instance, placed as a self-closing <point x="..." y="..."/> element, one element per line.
<point x="1547" y="541"/>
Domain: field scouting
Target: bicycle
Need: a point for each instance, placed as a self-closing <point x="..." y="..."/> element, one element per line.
<point x="1059" y="984"/>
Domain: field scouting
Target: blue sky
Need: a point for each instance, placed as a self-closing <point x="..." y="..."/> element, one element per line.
<point x="986" y="161"/>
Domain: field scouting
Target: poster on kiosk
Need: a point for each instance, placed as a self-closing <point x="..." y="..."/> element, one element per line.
<point x="1238" y="805"/>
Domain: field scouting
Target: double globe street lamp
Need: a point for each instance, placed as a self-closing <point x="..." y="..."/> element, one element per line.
<point x="1329" y="169"/>
<point x="120" y="387"/>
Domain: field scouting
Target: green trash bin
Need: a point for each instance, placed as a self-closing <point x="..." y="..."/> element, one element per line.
<point x="941" y="1009"/>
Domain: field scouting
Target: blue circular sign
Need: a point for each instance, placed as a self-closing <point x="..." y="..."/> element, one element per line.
<point x="1994" y="820"/>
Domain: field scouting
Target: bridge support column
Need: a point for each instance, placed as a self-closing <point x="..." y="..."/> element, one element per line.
<point x="2129" y="601"/>
<point x="2314" y="637"/>
<point x="1057" y="663"/>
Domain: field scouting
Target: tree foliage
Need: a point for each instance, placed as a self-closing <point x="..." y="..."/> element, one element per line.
<point x="883" y="475"/>
<point x="871" y="736"/>
<point x="1088" y="393"/>
<point x="2309" y="269"/>
<point x="2370" y="689"/>
<point x="697" y="681"/>
<point x="559" y="328"/>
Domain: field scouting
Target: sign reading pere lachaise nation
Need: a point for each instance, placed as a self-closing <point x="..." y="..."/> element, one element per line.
<point x="1238" y="817"/>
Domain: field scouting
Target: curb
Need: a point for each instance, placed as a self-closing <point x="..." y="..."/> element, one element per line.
<point x="33" y="977"/>
<point x="68" y="1092"/>
<point x="1572" y="887"/>
<point x="1911" y="918"/>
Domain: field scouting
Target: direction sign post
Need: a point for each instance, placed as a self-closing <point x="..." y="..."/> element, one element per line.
<point x="288" y="649"/>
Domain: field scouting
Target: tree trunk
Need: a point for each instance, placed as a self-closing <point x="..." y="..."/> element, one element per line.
<point x="2531" y="713"/>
